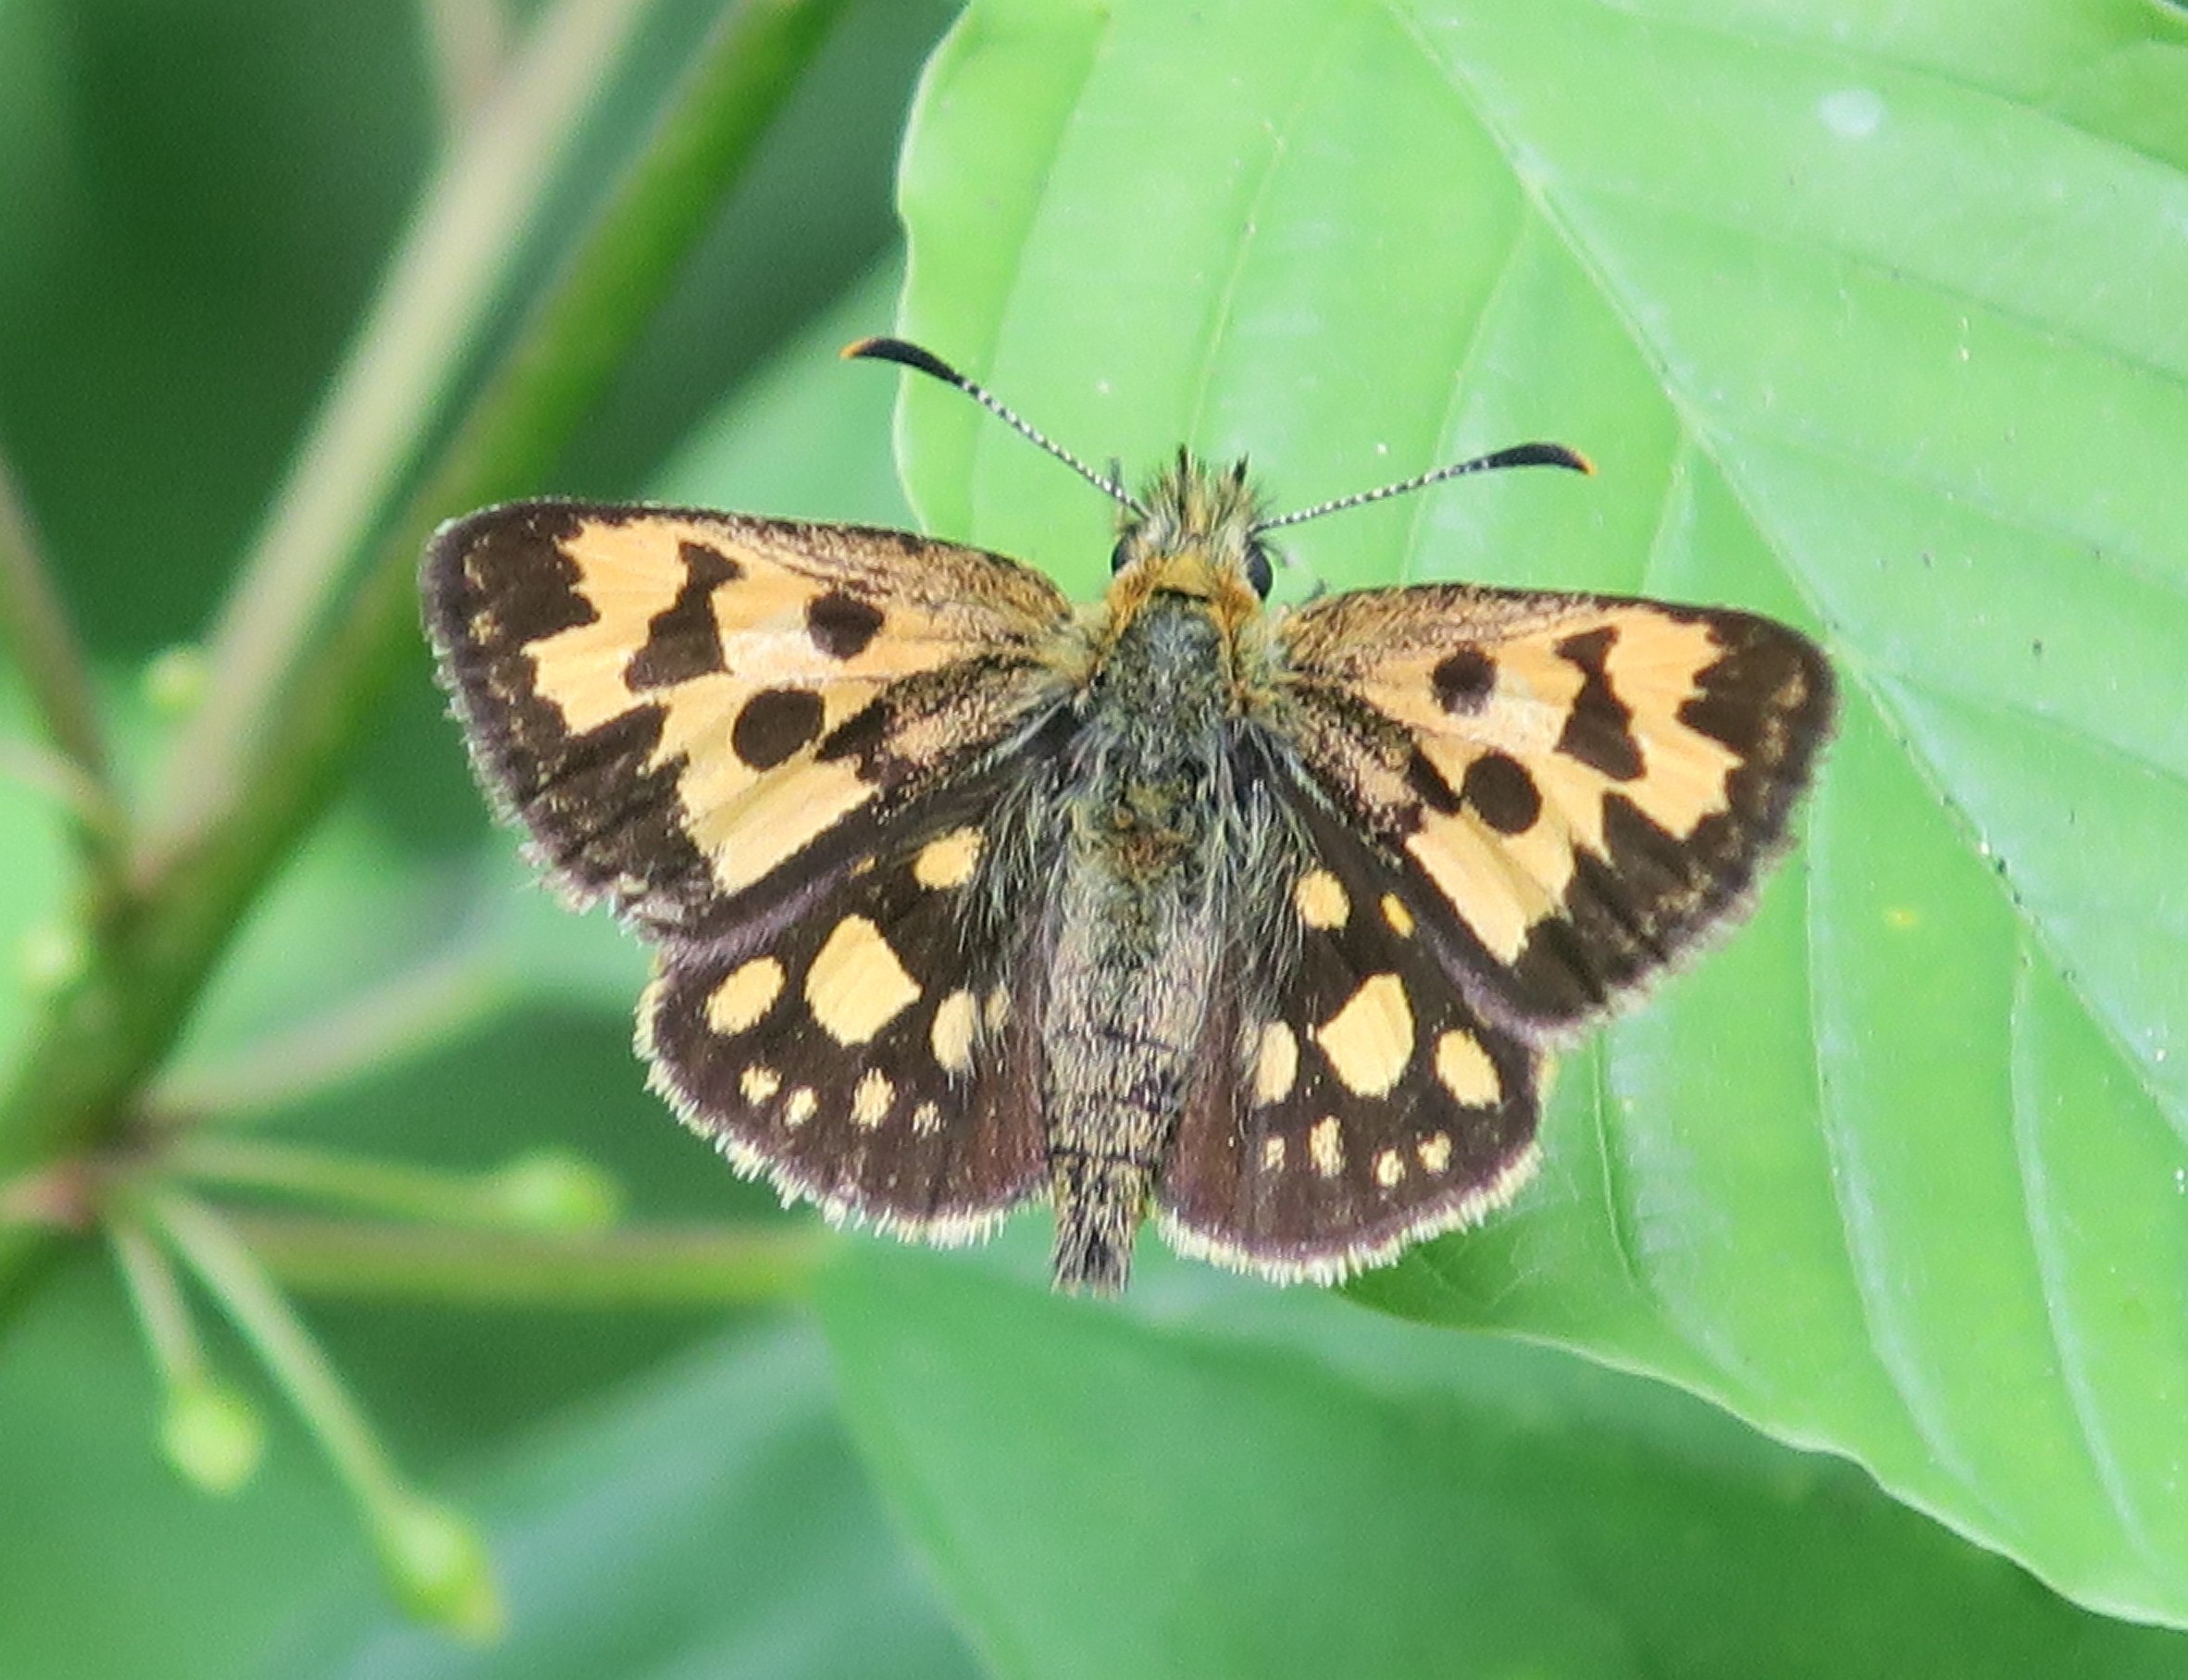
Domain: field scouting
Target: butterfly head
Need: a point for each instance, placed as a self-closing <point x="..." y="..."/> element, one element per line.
<point x="1194" y="532"/>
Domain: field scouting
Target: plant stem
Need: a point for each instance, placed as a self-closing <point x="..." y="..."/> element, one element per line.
<point x="223" y="1261"/>
<point x="661" y="1266"/>
<point x="450" y="271"/>
<point x="211" y="1435"/>
<point x="52" y="774"/>
<point x="34" y="628"/>
<point x="157" y="1297"/>
<point x="404" y="1016"/>
<point x="434" y="1559"/>
<point x="467" y="45"/>
<point x="395" y="1189"/>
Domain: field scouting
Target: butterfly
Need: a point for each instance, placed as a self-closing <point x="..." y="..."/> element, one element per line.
<point x="1261" y="922"/>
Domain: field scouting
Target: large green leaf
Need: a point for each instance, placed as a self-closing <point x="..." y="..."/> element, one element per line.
<point x="1871" y="316"/>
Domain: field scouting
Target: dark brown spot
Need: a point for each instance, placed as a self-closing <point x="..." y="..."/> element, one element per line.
<point x="708" y="565"/>
<point x="608" y="824"/>
<point x="682" y="640"/>
<point x="1463" y="679"/>
<point x="504" y="578"/>
<point x="1428" y="782"/>
<point x="1559" y="975"/>
<point x="1730" y="714"/>
<point x="1502" y="793"/>
<point x="1598" y="731"/>
<point x="1610" y="905"/>
<point x="841" y="624"/>
<point x="775" y="724"/>
<point x="1667" y="880"/>
<point x="857" y="736"/>
<point x="1766" y="695"/>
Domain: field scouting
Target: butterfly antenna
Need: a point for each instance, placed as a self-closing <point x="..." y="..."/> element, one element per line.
<point x="1519" y="455"/>
<point x="924" y="361"/>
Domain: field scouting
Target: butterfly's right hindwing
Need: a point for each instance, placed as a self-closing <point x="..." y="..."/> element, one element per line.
<point x="880" y="1052"/>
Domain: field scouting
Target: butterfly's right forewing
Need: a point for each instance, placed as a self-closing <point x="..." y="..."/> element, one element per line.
<point x="681" y="706"/>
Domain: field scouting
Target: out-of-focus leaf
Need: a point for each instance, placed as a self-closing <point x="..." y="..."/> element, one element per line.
<point x="116" y="1565"/>
<point x="1292" y="1494"/>
<point x="707" y="1518"/>
<point x="711" y="1519"/>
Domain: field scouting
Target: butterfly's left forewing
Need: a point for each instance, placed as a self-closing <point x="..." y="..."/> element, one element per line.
<point x="1511" y="808"/>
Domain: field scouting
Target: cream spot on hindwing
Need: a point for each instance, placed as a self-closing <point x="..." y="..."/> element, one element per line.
<point x="870" y="1098"/>
<point x="1370" y="1041"/>
<point x="1466" y="1071"/>
<point x="948" y="862"/>
<point x="955" y="1019"/>
<point x="1277" y="1065"/>
<point x="1320" y="897"/>
<point x="856" y="986"/>
<point x="1326" y="1146"/>
<point x="746" y="994"/>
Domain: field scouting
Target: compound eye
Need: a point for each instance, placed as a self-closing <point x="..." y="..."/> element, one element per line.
<point x="1259" y="572"/>
<point x="1120" y="556"/>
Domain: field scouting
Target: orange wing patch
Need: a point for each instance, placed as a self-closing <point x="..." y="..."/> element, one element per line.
<point x="759" y="653"/>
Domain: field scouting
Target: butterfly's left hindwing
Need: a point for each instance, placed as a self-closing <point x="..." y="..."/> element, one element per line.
<point x="1357" y="1105"/>
<point x="677" y="704"/>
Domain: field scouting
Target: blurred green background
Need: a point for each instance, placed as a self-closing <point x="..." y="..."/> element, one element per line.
<point x="907" y="1463"/>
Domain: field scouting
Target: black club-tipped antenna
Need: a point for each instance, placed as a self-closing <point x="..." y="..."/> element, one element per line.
<point x="1519" y="455"/>
<point x="924" y="361"/>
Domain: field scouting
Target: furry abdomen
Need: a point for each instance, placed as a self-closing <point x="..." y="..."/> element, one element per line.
<point x="1140" y="910"/>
